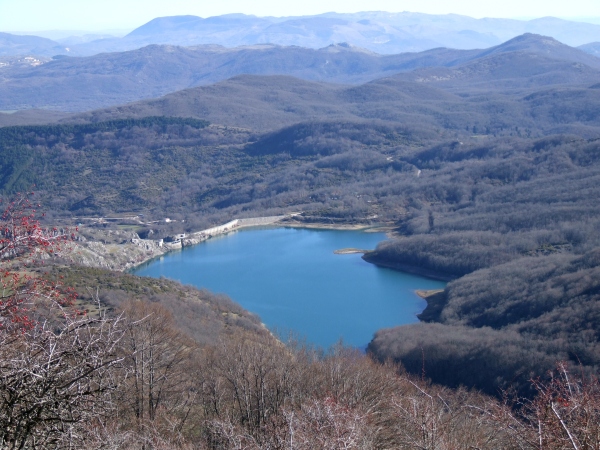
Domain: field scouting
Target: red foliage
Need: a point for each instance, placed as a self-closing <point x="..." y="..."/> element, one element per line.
<point x="22" y="239"/>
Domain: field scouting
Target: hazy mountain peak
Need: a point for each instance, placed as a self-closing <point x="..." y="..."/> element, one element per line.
<point x="529" y="40"/>
<point x="545" y="46"/>
<point x="11" y="44"/>
<point x="548" y="19"/>
<point x="162" y="24"/>
<point x="197" y="25"/>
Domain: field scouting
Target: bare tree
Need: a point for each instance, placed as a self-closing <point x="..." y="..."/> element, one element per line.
<point x="256" y="378"/>
<point x="56" y="365"/>
<point x="328" y="424"/>
<point x="565" y="413"/>
<point x="158" y="361"/>
<point x="53" y="382"/>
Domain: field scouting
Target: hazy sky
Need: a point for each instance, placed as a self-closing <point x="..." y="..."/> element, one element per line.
<point x="36" y="15"/>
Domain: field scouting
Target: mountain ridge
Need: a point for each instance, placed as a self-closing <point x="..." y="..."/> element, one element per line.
<point x="385" y="33"/>
<point x="79" y="84"/>
<point x="12" y="44"/>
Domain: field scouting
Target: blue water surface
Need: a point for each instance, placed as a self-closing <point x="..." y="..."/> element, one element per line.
<point x="293" y="280"/>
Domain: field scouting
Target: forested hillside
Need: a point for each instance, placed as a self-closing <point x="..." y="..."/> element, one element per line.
<point x="488" y="172"/>
<point x="525" y="257"/>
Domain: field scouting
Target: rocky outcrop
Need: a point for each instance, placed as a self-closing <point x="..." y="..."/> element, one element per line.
<point x="117" y="256"/>
<point x="122" y="250"/>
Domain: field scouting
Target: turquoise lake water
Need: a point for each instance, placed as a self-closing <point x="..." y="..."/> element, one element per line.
<point x="292" y="279"/>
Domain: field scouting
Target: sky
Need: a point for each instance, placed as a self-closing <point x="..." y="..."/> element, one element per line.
<point x="97" y="15"/>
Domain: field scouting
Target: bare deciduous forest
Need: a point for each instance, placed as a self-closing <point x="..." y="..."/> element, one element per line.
<point x="487" y="175"/>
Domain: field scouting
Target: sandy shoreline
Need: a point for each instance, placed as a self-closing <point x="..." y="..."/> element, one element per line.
<point x="425" y="294"/>
<point x="349" y="251"/>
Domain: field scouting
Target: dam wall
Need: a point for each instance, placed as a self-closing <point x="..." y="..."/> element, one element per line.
<point x="199" y="236"/>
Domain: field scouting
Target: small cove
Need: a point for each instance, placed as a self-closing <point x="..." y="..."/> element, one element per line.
<point x="293" y="280"/>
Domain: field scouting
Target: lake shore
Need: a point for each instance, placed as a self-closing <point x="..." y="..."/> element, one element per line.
<point x="425" y="294"/>
<point x="349" y="251"/>
<point x="325" y="226"/>
<point x="427" y="273"/>
<point x="128" y="252"/>
<point x="133" y="253"/>
<point x="287" y="266"/>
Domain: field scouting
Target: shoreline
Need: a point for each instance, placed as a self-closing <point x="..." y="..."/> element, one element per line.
<point x="425" y="294"/>
<point x="137" y="253"/>
<point x="145" y="251"/>
<point x="197" y="237"/>
<point x="436" y="300"/>
<point x="427" y="273"/>
<point x="325" y="226"/>
<point x="349" y="251"/>
<point x="365" y="227"/>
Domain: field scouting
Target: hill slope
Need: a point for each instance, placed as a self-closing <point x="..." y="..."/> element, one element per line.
<point x="16" y="45"/>
<point x="592" y="48"/>
<point x="268" y="103"/>
<point x="86" y="83"/>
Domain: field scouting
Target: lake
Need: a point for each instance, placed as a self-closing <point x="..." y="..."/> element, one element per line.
<point x="293" y="280"/>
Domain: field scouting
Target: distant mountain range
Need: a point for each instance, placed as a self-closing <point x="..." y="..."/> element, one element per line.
<point x="80" y="84"/>
<point x="531" y="83"/>
<point x="381" y="32"/>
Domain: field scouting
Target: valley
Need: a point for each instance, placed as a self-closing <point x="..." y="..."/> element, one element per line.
<point x="483" y="167"/>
